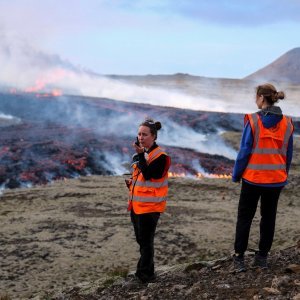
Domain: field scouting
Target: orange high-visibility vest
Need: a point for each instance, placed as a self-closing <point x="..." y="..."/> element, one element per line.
<point x="267" y="163"/>
<point x="147" y="196"/>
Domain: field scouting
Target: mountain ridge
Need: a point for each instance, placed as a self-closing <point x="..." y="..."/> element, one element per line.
<point x="286" y="68"/>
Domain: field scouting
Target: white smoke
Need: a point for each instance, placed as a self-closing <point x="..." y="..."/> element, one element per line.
<point x="116" y="162"/>
<point x="174" y="134"/>
<point x="6" y="117"/>
<point x="25" y="68"/>
<point x="7" y="120"/>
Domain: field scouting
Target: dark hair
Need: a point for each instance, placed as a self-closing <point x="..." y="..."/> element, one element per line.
<point x="269" y="92"/>
<point x="153" y="126"/>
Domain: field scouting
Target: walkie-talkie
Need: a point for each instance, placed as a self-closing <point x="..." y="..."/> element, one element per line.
<point x="137" y="141"/>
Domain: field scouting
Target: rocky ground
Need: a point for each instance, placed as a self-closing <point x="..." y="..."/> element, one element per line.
<point x="72" y="239"/>
<point x="57" y="236"/>
<point x="204" y="280"/>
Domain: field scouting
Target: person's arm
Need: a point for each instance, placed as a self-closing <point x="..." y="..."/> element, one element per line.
<point x="289" y="154"/>
<point x="244" y="153"/>
<point x="155" y="169"/>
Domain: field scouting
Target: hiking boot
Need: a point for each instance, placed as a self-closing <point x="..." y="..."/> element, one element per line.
<point x="260" y="261"/>
<point x="146" y="278"/>
<point x="238" y="264"/>
<point x="132" y="282"/>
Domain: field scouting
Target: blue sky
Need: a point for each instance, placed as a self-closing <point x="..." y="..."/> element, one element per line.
<point x="229" y="39"/>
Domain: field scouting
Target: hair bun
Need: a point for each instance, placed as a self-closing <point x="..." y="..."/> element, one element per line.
<point x="157" y="125"/>
<point x="280" y="95"/>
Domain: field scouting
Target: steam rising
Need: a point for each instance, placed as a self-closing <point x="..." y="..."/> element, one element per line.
<point x="174" y="134"/>
<point x="27" y="69"/>
<point x="6" y="120"/>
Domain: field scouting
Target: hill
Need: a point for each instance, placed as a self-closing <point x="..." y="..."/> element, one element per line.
<point x="284" y="69"/>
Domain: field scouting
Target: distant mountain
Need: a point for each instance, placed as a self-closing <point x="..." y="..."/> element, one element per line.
<point x="284" y="69"/>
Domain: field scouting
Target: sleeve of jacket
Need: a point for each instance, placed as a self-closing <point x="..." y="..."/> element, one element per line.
<point x="244" y="153"/>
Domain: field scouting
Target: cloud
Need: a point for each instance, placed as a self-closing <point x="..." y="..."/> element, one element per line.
<point x="234" y="12"/>
<point x="46" y="19"/>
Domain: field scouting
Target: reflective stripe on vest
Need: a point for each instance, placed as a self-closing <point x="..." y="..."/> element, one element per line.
<point x="148" y="199"/>
<point x="288" y="133"/>
<point x="154" y="154"/>
<point x="280" y="151"/>
<point x="266" y="166"/>
<point x="255" y="123"/>
<point x="148" y="183"/>
<point x="149" y="195"/>
<point x="268" y="151"/>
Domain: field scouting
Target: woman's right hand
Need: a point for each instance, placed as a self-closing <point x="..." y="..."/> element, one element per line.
<point x="128" y="183"/>
<point x="138" y="149"/>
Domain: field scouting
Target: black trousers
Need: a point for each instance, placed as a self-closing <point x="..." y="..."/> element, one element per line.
<point x="250" y="195"/>
<point x="144" y="228"/>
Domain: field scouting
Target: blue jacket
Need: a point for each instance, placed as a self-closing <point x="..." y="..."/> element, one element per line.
<point x="270" y="117"/>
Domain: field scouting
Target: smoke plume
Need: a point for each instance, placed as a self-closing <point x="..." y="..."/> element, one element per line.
<point x="27" y="69"/>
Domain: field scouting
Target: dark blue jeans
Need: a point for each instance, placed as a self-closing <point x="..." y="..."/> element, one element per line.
<point x="144" y="228"/>
<point x="250" y="195"/>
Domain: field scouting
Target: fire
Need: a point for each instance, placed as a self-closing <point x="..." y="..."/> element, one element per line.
<point x="173" y="174"/>
<point x="200" y="175"/>
<point x="41" y="84"/>
<point x="54" y="93"/>
<point x="78" y="164"/>
<point x="226" y="176"/>
<point x="4" y="150"/>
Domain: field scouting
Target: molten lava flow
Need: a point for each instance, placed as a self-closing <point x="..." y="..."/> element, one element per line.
<point x="41" y="84"/>
<point x="200" y="175"/>
<point x="4" y="150"/>
<point x="77" y="164"/>
<point x="54" y="93"/>
<point x="173" y="174"/>
<point x="51" y="143"/>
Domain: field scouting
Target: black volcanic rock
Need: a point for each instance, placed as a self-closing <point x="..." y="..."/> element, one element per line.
<point x="204" y="280"/>
<point x="70" y="136"/>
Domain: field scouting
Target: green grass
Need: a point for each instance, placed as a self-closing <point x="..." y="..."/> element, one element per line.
<point x="119" y="271"/>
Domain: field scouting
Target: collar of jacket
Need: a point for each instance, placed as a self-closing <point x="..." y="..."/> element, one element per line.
<point x="274" y="110"/>
<point x="152" y="148"/>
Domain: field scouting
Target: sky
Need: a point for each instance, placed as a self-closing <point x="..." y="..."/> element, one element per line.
<point x="216" y="38"/>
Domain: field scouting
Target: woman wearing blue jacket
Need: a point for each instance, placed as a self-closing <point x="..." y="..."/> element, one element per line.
<point x="263" y="164"/>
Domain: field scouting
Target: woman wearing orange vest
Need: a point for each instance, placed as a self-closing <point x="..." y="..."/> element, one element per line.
<point x="148" y="190"/>
<point x="263" y="164"/>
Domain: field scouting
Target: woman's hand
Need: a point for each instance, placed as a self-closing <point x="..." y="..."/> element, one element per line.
<point x="128" y="183"/>
<point x="138" y="149"/>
